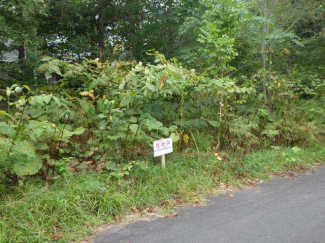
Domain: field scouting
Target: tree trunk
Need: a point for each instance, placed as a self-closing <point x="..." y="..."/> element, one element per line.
<point x="264" y="59"/>
<point x="21" y="52"/>
<point x="21" y="48"/>
<point x="101" y="40"/>
<point x="265" y="30"/>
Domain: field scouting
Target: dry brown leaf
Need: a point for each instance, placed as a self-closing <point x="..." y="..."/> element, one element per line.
<point x="172" y="215"/>
<point x="162" y="82"/>
<point x="57" y="236"/>
<point x="231" y="196"/>
<point x="88" y="162"/>
<point x="134" y="209"/>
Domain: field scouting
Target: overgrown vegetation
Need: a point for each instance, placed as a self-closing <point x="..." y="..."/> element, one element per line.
<point x="102" y="116"/>
<point x="73" y="206"/>
<point x="95" y="82"/>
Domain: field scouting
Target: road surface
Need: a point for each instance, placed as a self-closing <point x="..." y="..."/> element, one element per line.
<point x="281" y="210"/>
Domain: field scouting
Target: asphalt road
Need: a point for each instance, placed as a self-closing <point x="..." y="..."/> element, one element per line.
<point x="281" y="210"/>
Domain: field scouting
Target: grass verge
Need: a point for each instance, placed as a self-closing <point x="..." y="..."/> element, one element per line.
<point x="69" y="208"/>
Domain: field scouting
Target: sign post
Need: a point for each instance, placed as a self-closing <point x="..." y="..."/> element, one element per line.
<point x="163" y="161"/>
<point x="162" y="147"/>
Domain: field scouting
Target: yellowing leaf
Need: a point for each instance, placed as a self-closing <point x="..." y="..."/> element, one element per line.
<point x="186" y="138"/>
<point x="26" y="87"/>
<point x="88" y="93"/>
<point x="85" y="93"/>
<point x="3" y="113"/>
<point x="219" y="158"/>
<point x="91" y="95"/>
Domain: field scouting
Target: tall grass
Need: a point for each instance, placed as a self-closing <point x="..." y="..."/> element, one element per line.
<point x="68" y="208"/>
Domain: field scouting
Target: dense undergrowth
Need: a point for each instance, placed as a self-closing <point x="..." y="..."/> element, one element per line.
<point x="76" y="154"/>
<point x="72" y="206"/>
<point x="76" y="133"/>
<point x="103" y="116"/>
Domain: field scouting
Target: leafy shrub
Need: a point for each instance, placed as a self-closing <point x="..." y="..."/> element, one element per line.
<point x="18" y="158"/>
<point x="101" y="116"/>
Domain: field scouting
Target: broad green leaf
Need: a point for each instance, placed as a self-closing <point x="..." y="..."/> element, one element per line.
<point x="30" y="167"/>
<point x="43" y="146"/>
<point x="38" y="132"/>
<point x="57" y="100"/>
<point x="151" y="87"/>
<point x="134" y="128"/>
<point x="47" y="98"/>
<point x="56" y="69"/>
<point x="175" y="137"/>
<point x="7" y="130"/>
<point x="85" y="105"/>
<point x="102" y="116"/>
<point x="79" y="130"/>
<point x="214" y="123"/>
<point x="24" y="158"/>
<point x="35" y="112"/>
<point x="116" y="136"/>
<point x="37" y="100"/>
<point x="133" y="119"/>
<point x="102" y="124"/>
<point x="153" y="124"/>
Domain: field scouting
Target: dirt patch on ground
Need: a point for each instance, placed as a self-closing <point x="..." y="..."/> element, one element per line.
<point x="128" y="219"/>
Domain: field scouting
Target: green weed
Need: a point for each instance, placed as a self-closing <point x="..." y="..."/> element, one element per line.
<point x="69" y="208"/>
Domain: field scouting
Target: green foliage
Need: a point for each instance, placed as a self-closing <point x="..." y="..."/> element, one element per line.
<point x="100" y="114"/>
<point x="221" y="21"/>
<point x="114" y="112"/>
<point x="71" y="207"/>
<point x="18" y="158"/>
<point x="258" y="83"/>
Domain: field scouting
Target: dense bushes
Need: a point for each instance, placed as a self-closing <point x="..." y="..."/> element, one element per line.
<point x="100" y="116"/>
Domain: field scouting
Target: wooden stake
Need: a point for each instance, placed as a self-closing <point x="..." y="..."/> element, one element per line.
<point x="163" y="161"/>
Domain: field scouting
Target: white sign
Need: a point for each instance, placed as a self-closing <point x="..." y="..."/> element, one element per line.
<point x="163" y="146"/>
